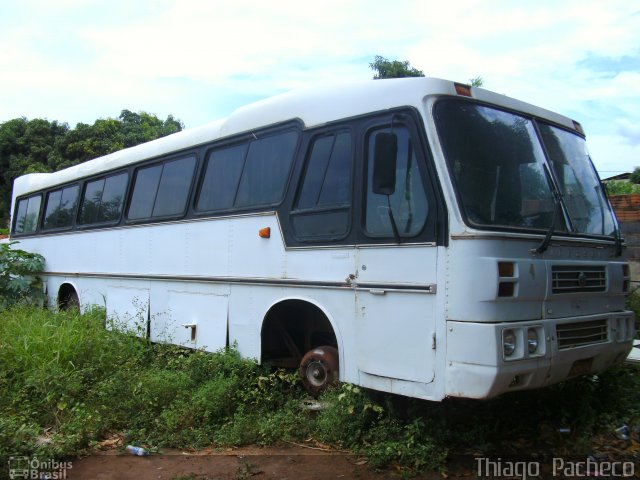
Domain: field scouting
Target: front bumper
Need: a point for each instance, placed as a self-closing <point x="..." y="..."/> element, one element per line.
<point x="477" y="367"/>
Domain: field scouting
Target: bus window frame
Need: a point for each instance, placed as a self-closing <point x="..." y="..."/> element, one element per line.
<point x="303" y="159"/>
<point x="435" y="228"/>
<point x="103" y="176"/>
<point x="134" y="169"/>
<point x="236" y="140"/>
<point x="46" y="195"/>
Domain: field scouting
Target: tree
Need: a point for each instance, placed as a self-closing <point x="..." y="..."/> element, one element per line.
<point x="393" y="69"/>
<point x="385" y="68"/>
<point x="38" y="145"/>
<point x="635" y="175"/>
<point x="476" y="82"/>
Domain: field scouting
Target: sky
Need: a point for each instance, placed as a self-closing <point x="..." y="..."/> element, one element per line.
<point x="80" y="60"/>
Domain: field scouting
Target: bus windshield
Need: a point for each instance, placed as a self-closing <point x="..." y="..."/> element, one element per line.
<point x="497" y="162"/>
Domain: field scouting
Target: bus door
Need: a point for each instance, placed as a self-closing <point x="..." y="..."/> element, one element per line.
<point x="396" y="259"/>
<point x="395" y="318"/>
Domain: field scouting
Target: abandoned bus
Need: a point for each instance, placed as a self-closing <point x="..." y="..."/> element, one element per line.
<point x="413" y="236"/>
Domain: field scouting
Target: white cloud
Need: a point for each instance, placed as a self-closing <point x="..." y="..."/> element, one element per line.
<point x="192" y="58"/>
<point x="629" y="131"/>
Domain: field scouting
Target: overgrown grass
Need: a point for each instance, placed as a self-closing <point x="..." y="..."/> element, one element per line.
<point x="66" y="382"/>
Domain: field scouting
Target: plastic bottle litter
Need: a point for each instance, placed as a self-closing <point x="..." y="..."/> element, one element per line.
<point x="138" y="451"/>
<point x="622" y="433"/>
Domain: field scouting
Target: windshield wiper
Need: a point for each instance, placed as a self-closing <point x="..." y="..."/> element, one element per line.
<point x="557" y="206"/>
<point x="618" y="247"/>
<point x="547" y="238"/>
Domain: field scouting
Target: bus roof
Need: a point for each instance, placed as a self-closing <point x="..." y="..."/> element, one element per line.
<point x="313" y="106"/>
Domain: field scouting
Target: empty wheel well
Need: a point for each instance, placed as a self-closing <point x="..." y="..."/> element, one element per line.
<point x="290" y="329"/>
<point x="68" y="297"/>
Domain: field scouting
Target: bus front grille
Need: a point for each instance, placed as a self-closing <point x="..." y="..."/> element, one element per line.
<point x="578" y="279"/>
<point x="577" y="334"/>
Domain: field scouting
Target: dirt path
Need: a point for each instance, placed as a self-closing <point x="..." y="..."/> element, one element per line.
<point x="282" y="463"/>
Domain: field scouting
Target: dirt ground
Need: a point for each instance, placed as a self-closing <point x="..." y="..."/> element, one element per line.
<point x="282" y="463"/>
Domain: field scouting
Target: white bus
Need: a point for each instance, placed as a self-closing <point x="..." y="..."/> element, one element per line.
<point x="414" y="236"/>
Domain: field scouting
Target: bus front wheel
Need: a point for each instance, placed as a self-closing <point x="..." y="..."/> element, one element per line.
<point x="319" y="368"/>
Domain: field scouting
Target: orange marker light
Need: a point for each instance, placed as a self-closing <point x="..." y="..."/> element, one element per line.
<point x="265" y="232"/>
<point x="464" y="90"/>
<point x="578" y="127"/>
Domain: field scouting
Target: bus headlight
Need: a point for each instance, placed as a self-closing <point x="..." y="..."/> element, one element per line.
<point x="532" y="340"/>
<point x="508" y="342"/>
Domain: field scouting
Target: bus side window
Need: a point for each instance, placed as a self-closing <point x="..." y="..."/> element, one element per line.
<point x="408" y="201"/>
<point x="162" y="190"/>
<point x="266" y="170"/>
<point x="103" y="199"/>
<point x="322" y="207"/>
<point x="60" y="207"/>
<point x="251" y="174"/>
<point x="27" y="214"/>
<point x="221" y="178"/>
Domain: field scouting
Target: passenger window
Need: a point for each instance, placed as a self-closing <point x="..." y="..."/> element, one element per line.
<point x="322" y="208"/>
<point x="61" y="207"/>
<point x="266" y="170"/>
<point x="408" y="203"/>
<point x="327" y="179"/>
<point x="246" y="175"/>
<point x="162" y="190"/>
<point x="27" y="213"/>
<point x="221" y="178"/>
<point x="103" y="199"/>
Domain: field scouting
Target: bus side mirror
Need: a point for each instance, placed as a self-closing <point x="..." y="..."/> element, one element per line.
<point x="384" y="163"/>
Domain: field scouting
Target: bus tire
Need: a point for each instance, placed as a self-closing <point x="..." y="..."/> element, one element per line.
<point x="319" y="368"/>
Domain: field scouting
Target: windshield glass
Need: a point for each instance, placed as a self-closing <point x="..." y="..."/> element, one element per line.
<point x="497" y="163"/>
<point x="582" y="195"/>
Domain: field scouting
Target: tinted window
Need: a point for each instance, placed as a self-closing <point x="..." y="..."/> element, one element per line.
<point x="322" y="209"/>
<point x="144" y="192"/>
<point x="27" y="213"/>
<point x="246" y="175"/>
<point x="61" y="207"/>
<point x="409" y="200"/>
<point x="175" y="184"/>
<point x="327" y="179"/>
<point x="103" y="199"/>
<point x="162" y="190"/>
<point x="581" y="192"/>
<point x="266" y="170"/>
<point x="222" y="175"/>
<point x="497" y="164"/>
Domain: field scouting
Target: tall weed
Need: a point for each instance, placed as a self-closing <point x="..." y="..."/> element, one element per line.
<point x="66" y="382"/>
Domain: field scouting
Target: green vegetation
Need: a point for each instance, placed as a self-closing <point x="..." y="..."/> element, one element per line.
<point x="622" y="187"/>
<point x="39" y="145"/>
<point x="66" y="383"/>
<point x="385" y="68"/>
<point x="18" y="280"/>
